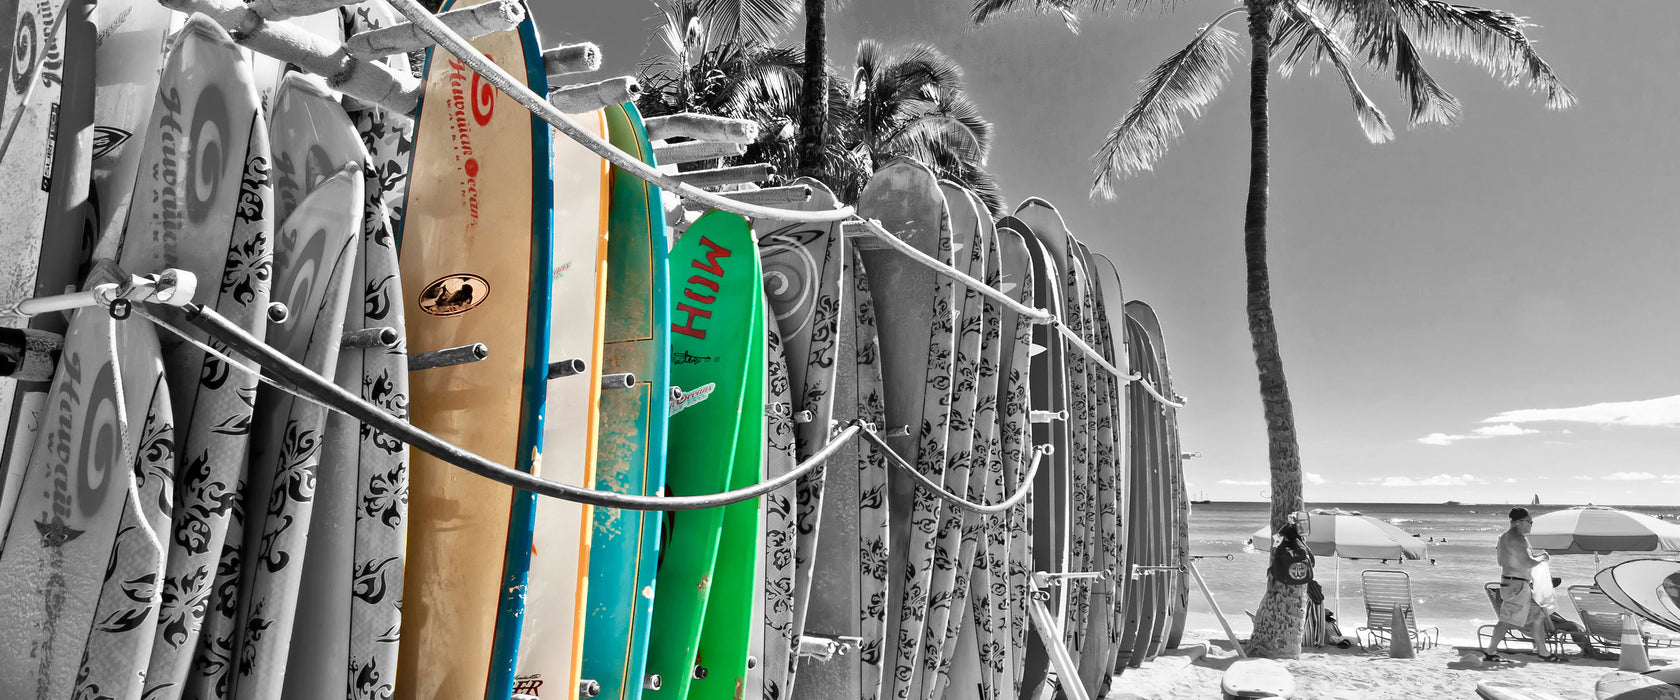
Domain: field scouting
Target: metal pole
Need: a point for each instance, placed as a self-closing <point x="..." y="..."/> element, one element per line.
<point x="1067" y="674"/>
<point x="1216" y="611"/>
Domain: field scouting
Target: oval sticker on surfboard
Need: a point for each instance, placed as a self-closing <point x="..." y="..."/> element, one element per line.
<point x="454" y="294"/>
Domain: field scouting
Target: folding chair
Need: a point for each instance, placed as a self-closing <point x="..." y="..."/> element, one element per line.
<point x="1383" y="589"/>
<point x="1602" y="618"/>
<point x="1484" y="634"/>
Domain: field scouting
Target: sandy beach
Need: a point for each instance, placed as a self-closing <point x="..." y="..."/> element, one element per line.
<point x="1443" y="671"/>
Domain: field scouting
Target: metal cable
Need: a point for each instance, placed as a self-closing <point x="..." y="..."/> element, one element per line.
<point x="951" y="498"/>
<point x="539" y="105"/>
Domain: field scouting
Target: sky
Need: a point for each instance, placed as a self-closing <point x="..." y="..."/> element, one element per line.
<point x="1483" y="313"/>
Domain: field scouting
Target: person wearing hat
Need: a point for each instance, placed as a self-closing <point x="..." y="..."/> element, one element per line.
<point x="1517" y="608"/>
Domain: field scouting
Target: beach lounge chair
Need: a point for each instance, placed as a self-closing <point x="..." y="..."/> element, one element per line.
<point x="1384" y="588"/>
<point x="1554" y="642"/>
<point x="1602" y="618"/>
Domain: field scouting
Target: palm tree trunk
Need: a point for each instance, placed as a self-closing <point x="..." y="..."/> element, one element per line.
<point x="1278" y="624"/>
<point x="813" y="100"/>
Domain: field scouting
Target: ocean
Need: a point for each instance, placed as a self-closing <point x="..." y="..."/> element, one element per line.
<point x="1448" y="592"/>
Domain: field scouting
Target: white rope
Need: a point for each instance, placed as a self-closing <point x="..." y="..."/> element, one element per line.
<point x="539" y="105"/>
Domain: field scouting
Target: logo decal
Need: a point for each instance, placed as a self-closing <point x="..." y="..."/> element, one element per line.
<point x="680" y="401"/>
<point x="107" y="139"/>
<point x="454" y="294"/>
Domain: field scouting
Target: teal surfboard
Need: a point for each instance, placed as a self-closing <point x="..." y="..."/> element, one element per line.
<point x="716" y="309"/>
<point x="631" y="451"/>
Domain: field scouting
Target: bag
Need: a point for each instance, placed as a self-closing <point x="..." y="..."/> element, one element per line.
<point x="1291" y="564"/>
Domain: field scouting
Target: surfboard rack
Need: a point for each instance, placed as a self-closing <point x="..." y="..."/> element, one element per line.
<point x="1138" y="571"/>
<point x="566" y="59"/>
<point x="369" y="81"/>
<point x="566" y="368"/>
<point x="1050" y="635"/>
<point x="729" y="175"/>
<point x="820" y="648"/>
<point x="470" y="22"/>
<point x="447" y="357"/>
<point x="171" y="287"/>
<point x="588" y="97"/>
<point x="684" y="152"/>
<point x="652" y="681"/>
<point x="376" y="337"/>
<point x="29" y="355"/>
<point x="622" y="380"/>
<point x="1041" y="417"/>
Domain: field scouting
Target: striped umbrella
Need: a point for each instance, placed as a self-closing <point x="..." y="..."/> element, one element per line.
<point x="1352" y="535"/>
<point x="1601" y="530"/>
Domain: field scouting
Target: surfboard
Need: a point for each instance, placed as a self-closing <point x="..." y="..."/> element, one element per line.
<point x="133" y="40"/>
<point x="769" y="641"/>
<point x="1048" y="392"/>
<point x="310" y="132"/>
<point x="1257" y="678"/>
<point x="79" y="534"/>
<point x="1647" y="587"/>
<point x="475" y="251"/>
<point x="802" y="285"/>
<point x="631" y="445"/>
<point x="315" y="253"/>
<point x="203" y="203"/>
<point x="720" y="660"/>
<point x="1625" y="685"/>
<point x="33" y="53"/>
<point x="556" y="605"/>
<point x="849" y="588"/>
<point x="1046" y="223"/>
<point x="365" y="583"/>
<point x="918" y="349"/>
<point x="1096" y="663"/>
<point x="712" y="338"/>
<point x="1502" y="690"/>
<point x="1157" y="463"/>
<point x="1014" y="372"/>
<point x="973" y="656"/>
<point x="1670" y="676"/>
<point x="1111" y="332"/>
<point x="948" y="587"/>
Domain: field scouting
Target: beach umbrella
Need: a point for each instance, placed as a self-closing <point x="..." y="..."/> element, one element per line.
<point x="1601" y="530"/>
<point x="1346" y="534"/>
<point x="1352" y="535"/>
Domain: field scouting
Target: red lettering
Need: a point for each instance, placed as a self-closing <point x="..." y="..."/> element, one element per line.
<point x="712" y="257"/>
<point x="687" y="328"/>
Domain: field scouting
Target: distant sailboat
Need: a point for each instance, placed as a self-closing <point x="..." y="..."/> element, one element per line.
<point x="1536" y="500"/>
<point x="1201" y="498"/>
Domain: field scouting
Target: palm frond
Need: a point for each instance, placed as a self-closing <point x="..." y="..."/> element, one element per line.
<point x="1183" y="84"/>
<point x="1492" y="39"/>
<point x="751" y="21"/>
<point x="1300" y="26"/>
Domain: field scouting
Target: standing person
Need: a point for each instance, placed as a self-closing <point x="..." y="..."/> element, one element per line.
<point x="1517" y="607"/>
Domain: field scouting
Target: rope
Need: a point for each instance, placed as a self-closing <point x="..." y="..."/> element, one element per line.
<point x="951" y="498"/>
<point x="308" y="385"/>
<point x="874" y="228"/>
<point x="540" y="107"/>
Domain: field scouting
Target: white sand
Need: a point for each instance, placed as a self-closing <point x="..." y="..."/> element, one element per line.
<point x="1444" y="671"/>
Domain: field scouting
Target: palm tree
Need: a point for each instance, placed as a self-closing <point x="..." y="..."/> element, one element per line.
<point x="814" y="99"/>
<point x="911" y="103"/>
<point x="1389" y="35"/>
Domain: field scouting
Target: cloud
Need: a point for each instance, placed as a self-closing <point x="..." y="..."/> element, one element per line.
<point x="1235" y="482"/>
<point x="1510" y="480"/>
<point x="1629" y="476"/>
<point x="1314" y="478"/>
<point x="1671" y="478"/>
<point x="1659" y="412"/>
<point x="1490" y="431"/>
<point x="1437" y="480"/>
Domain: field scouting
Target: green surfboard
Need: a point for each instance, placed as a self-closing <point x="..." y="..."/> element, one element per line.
<point x="721" y="660"/>
<point x="715" y="312"/>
